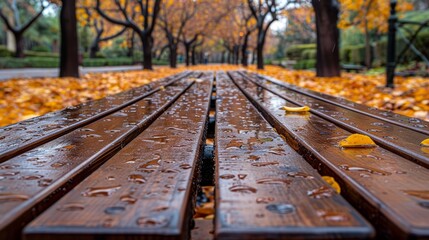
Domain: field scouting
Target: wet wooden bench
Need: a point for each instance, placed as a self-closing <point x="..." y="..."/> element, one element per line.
<point x="35" y="179"/>
<point x="264" y="189"/>
<point x="128" y="166"/>
<point x="387" y="184"/>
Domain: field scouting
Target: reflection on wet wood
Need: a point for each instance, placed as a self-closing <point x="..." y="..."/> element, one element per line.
<point x="374" y="180"/>
<point x="259" y="193"/>
<point x="47" y="172"/>
<point x="28" y="134"/>
<point x="145" y="191"/>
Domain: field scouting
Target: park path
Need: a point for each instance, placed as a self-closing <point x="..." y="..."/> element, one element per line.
<point x="6" y="74"/>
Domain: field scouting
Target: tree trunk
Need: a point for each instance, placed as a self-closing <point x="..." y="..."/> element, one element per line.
<point x="194" y="60"/>
<point x="95" y="47"/>
<point x="260" y="55"/>
<point x="93" y="50"/>
<point x="244" y="57"/>
<point x="254" y="56"/>
<point x="187" y="54"/>
<point x="173" y="55"/>
<point x="19" y="43"/>
<point x="130" y="52"/>
<point x="328" y="61"/>
<point x="367" y="46"/>
<point x="236" y="54"/>
<point x="69" y="60"/>
<point x="147" y="52"/>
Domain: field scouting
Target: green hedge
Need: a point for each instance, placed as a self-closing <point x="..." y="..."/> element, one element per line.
<point x="4" y="52"/>
<point x="41" y="54"/>
<point x="356" y="54"/>
<point x="305" y="64"/>
<point x="53" y="62"/>
<point x="35" y="62"/>
<point x="295" y="52"/>
<point x="309" y="54"/>
<point x="98" y="62"/>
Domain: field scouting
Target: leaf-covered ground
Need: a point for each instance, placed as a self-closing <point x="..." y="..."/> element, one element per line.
<point x="21" y="99"/>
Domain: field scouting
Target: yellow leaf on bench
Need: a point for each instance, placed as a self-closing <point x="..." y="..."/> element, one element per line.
<point x="357" y="141"/>
<point x="331" y="181"/>
<point x="425" y="143"/>
<point x="296" y="109"/>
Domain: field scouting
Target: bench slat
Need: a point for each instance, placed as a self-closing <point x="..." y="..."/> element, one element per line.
<point x="262" y="183"/>
<point x="47" y="172"/>
<point x="152" y="182"/>
<point x="388" y="189"/>
<point x="401" y="140"/>
<point x="28" y="134"/>
<point x="415" y="124"/>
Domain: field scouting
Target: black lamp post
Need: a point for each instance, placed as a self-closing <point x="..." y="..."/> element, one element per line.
<point x="391" y="55"/>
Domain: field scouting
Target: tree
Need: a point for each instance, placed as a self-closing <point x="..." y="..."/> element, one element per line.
<point x="247" y="26"/>
<point x="173" y="19"/>
<point x="265" y="13"/>
<point x="369" y="16"/>
<point x="69" y="59"/>
<point x="328" y="60"/>
<point x="18" y="29"/>
<point x="143" y="23"/>
<point x="301" y="25"/>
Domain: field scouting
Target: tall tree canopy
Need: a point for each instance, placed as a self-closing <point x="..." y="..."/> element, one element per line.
<point x="140" y="16"/>
<point x="265" y="13"/>
<point x="18" y="16"/>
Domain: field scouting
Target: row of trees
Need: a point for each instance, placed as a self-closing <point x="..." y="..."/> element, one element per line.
<point x="232" y="24"/>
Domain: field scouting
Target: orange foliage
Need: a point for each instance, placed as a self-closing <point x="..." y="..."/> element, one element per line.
<point x="374" y="13"/>
<point x="408" y="98"/>
<point x="21" y="99"/>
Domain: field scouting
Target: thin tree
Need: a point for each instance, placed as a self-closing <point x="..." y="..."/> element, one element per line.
<point x="328" y="60"/>
<point x="265" y="13"/>
<point x="173" y="19"/>
<point x="18" y="28"/>
<point x="247" y="29"/>
<point x="149" y="13"/>
<point x="98" y="25"/>
<point x="69" y="59"/>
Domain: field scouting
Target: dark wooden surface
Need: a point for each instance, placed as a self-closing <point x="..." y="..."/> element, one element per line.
<point x="25" y="135"/>
<point x="389" y="190"/>
<point x="416" y="124"/>
<point x="34" y="180"/>
<point x="151" y="182"/>
<point x="399" y="139"/>
<point x="262" y="184"/>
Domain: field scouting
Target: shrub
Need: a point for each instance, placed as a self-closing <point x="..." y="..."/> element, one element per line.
<point x="41" y="54"/>
<point x="4" y="52"/>
<point x="294" y="52"/>
<point x="41" y="48"/>
<point x="305" y="64"/>
<point x="309" y="54"/>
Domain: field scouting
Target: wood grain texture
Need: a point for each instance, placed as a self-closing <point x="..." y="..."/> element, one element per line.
<point x="263" y="187"/>
<point x="28" y="134"/>
<point x="387" y="189"/>
<point x="399" y="139"/>
<point x="415" y="124"/>
<point x="32" y="181"/>
<point x="145" y="191"/>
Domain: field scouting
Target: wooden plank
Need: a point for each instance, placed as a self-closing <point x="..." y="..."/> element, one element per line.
<point x="399" y="139"/>
<point x="263" y="187"/>
<point x="32" y="181"/>
<point x="415" y="124"/>
<point x="28" y="134"/>
<point x="388" y="190"/>
<point x="145" y="191"/>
